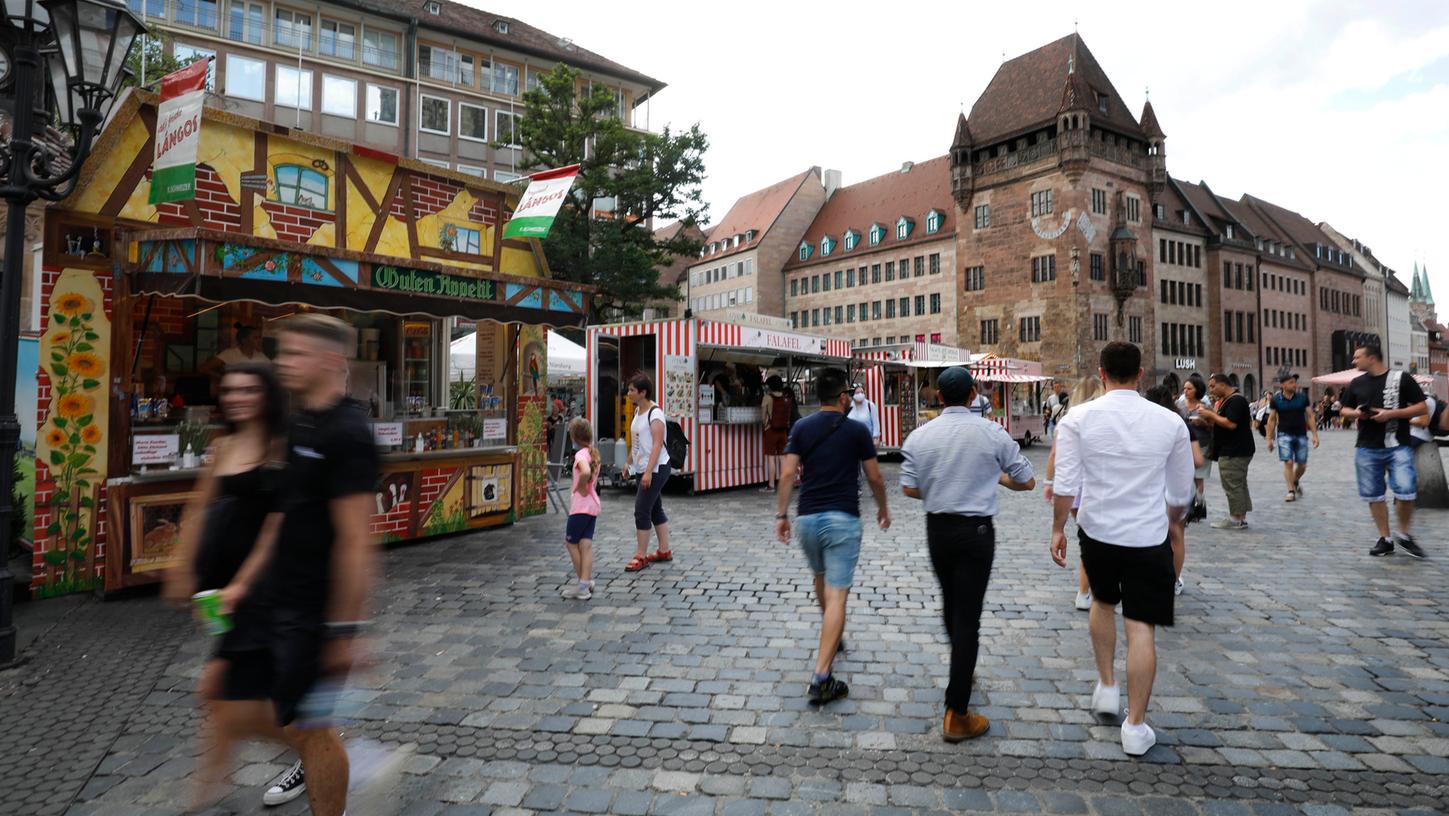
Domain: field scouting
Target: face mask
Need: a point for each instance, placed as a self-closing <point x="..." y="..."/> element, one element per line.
<point x="860" y="397"/>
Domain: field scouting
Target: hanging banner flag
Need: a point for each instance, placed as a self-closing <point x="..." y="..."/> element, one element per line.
<point x="178" y="132"/>
<point x="540" y="203"/>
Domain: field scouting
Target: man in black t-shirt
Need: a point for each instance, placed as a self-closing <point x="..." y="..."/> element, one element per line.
<point x="1233" y="448"/>
<point x="1290" y="423"/>
<point x="830" y="451"/>
<point x="1383" y="402"/>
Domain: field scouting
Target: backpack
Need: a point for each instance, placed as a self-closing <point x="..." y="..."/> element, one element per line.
<point x="1434" y="418"/>
<point x="676" y="444"/>
<point x="781" y="420"/>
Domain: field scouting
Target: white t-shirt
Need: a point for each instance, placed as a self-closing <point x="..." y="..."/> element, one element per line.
<point x="235" y="356"/>
<point x="1424" y="434"/>
<point x="643" y="446"/>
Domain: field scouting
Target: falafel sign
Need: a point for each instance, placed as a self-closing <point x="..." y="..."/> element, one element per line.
<point x="540" y="203"/>
<point x="178" y="133"/>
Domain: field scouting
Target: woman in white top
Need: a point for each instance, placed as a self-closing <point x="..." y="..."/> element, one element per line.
<point x="1085" y="391"/>
<point x="649" y="461"/>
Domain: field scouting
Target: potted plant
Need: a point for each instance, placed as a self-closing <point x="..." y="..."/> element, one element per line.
<point x="193" y="438"/>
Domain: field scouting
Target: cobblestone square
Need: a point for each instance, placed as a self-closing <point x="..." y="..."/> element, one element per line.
<point x="1302" y="677"/>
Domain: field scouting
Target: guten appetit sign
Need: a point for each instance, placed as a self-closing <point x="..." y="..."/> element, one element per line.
<point x="420" y="282"/>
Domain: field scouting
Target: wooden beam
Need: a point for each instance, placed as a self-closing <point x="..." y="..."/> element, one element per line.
<point x="340" y="205"/>
<point x="384" y="209"/>
<point x="140" y="163"/>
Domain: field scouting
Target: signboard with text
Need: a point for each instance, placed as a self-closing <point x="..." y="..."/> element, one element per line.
<point x="178" y="133"/>
<point x="787" y="342"/>
<point x="421" y="282"/>
<point x="540" y="203"/>
<point x="154" y="449"/>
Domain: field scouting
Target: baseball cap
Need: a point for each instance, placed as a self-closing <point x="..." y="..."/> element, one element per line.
<point x="954" y="384"/>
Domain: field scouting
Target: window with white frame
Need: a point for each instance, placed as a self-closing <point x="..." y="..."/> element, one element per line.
<point x="501" y="77"/>
<point x="505" y="176"/>
<point x="188" y="54"/>
<point x="294" y="88"/>
<point x="804" y="252"/>
<point x="876" y="234"/>
<point x="466" y="69"/>
<point x="1041" y="203"/>
<point x="336" y="39"/>
<point x="934" y="219"/>
<point x="302" y="186"/>
<point x="472" y="122"/>
<point x="851" y="239"/>
<point x="437" y="63"/>
<point x="434" y="115"/>
<point x="436" y="163"/>
<point x="246" y="78"/>
<point x="292" y="29"/>
<point x="382" y="104"/>
<point x="903" y="228"/>
<point x="1134" y="209"/>
<point x="379" y="48"/>
<point x="473" y="171"/>
<point x="506" y="130"/>
<point x="827" y="245"/>
<point x="339" y="96"/>
<point x="246" y="21"/>
<point x="196" y="13"/>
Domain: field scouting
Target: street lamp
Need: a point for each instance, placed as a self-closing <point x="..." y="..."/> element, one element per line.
<point x="61" y="64"/>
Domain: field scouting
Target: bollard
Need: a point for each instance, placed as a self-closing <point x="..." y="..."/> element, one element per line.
<point x="1433" y="490"/>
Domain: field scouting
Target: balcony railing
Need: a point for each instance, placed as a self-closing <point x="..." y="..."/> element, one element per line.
<point x="1049" y="147"/>
<point x="1034" y="153"/>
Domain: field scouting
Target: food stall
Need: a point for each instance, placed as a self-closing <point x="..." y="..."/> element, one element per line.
<point x="141" y="300"/>
<point x="1015" y="388"/>
<point x="901" y="380"/>
<point x="710" y="376"/>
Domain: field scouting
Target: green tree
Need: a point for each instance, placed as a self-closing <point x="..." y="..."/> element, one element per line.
<point x="158" y="61"/>
<point x="651" y="178"/>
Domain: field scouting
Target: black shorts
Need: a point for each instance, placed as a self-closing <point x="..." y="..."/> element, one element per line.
<point x="1139" y="578"/>
<point x="580" y="526"/>
<point x="285" y="670"/>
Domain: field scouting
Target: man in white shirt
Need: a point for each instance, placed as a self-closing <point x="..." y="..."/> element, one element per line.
<point x="1130" y="462"/>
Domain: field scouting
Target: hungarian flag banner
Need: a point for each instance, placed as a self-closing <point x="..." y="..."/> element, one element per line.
<point x="178" y="132"/>
<point x="540" y="203"/>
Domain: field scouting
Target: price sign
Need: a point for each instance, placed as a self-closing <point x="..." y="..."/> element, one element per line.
<point x="387" y="434"/>
<point x="495" y="428"/>
<point x="154" y="449"/>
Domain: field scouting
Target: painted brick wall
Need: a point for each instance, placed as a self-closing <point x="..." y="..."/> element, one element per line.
<point x="430" y="196"/>
<point x="218" y="209"/>
<point x="294" y="223"/>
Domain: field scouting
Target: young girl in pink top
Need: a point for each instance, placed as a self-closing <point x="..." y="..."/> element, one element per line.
<point x="583" y="508"/>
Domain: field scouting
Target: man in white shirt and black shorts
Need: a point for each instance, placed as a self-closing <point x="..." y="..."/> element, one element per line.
<point x="1130" y="462"/>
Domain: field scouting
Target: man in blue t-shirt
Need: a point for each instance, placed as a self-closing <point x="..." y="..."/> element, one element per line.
<point x="829" y="451"/>
<point x="1290" y="422"/>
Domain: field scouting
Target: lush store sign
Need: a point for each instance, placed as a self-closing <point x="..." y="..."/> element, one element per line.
<point x="438" y="284"/>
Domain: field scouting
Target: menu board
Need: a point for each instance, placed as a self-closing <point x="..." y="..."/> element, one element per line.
<point x="154" y="449"/>
<point x="678" y="385"/>
<point x="487" y="369"/>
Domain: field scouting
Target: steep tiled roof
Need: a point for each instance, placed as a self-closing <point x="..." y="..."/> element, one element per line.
<point x="674" y="272"/>
<point x="477" y="24"/>
<point x="1028" y="91"/>
<point x="883" y="200"/>
<point x="756" y="211"/>
<point x="1173" y="201"/>
<point x="1149" y="121"/>
<point x="1206" y="204"/>
<point x="1303" y="232"/>
<point x="1267" y="230"/>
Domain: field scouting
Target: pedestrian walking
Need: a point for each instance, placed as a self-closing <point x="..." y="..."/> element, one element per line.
<point x="778" y="413"/>
<point x="1177" y="533"/>
<point x="1384" y="402"/>
<point x="1088" y="389"/>
<point x="219" y="529"/>
<point x="953" y="465"/>
<point x="862" y="410"/>
<point x="1290" y="424"/>
<point x="648" y="461"/>
<point x="1194" y="392"/>
<point x="1130" y="462"/>
<point x="831" y="450"/>
<point x="316" y="572"/>
<point x="1233" y="448"/>
<point x="1261" y="408"/>
<point x="583" y="509"/>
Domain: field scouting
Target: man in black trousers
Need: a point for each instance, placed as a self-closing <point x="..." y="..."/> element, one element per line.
<point x="954" y="464"/>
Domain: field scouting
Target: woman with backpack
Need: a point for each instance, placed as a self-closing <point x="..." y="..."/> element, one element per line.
<point x="650" y="463"/>
<point x="778" y="412"/>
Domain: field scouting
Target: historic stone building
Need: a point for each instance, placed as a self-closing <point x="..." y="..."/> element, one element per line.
<point x="876" y="265"/>
<point x="1054" y="181"/>
<point x="1183" y="288"/>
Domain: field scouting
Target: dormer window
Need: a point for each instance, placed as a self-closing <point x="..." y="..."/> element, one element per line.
<point x="435" y="8"/>
<point x="501" y="26"/>
<point x="737" y="241"/>
<point x="1101" y="103"/>
<point x="749" y="236"/>
<point x="875" y="234"/>
<point x="1229" y="231"/>
<point x="805" y="250"/>
<point x="852" y="240"/>
<point x="827" y="245"/>
<point x="903" y="228"/>
<point x="933" y="222"/>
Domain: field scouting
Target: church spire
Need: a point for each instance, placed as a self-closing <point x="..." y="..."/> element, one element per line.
<point x="1416" y="287"/>
<point x="1428" y="293"/>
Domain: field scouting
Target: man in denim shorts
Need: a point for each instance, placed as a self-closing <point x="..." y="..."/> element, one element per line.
<point x="1383" y="402"/>
<point x="829" y="451"/>
<point x="1290" y="422"/>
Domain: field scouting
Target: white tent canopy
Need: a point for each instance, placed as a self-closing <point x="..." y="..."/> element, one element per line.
<point x="565" y="357"/>
<point x="1348" y="375"/>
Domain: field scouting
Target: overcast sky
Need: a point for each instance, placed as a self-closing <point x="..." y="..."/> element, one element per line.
<point x="1339" y="110"/>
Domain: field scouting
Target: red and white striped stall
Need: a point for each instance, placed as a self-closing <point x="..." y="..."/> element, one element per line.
<point x="889" y="374"/>
<point x="1015" y="389"/>
<point x="722" y="453"/>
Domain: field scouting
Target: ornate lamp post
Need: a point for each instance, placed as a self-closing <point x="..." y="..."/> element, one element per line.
<point x="61" y="65"/>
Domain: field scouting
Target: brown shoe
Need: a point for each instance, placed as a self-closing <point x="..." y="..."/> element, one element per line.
<point x="958" y="727"/>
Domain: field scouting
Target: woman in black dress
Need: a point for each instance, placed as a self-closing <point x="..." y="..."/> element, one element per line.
<point x="222" y="525"/>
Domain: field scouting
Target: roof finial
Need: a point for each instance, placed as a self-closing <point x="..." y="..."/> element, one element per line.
<point x="1147" y="91"/>
<point x="1074" y="25"/>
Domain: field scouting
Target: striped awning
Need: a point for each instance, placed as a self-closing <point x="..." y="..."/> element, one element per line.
<point x="1009" y="377"/>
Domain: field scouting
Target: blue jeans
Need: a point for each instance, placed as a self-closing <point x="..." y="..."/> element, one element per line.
<point x="1293" y="448"/>
<point x="831" y="543"/>
<point x="1370" y="465"/>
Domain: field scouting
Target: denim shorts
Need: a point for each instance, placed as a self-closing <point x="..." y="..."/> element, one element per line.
<point x="831" y="543"/>
<point x="1370" y="465"/>
<point x="1293" y="448"/>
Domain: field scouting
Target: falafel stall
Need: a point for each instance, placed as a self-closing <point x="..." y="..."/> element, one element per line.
<point x="147" y="304"/>
<point x="710" y="377"/>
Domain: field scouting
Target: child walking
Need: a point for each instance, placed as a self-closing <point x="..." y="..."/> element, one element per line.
<point x="583" y="508"/>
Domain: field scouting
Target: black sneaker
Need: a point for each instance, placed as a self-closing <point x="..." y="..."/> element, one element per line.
<point x="828" y="689"/>
<point x="289" y="786"/>
<point x="1409" y="545"/>
<point x="1383" y="547"/>
<point x="840" y="648"/>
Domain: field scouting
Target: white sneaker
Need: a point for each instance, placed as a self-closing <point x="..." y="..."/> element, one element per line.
<point x="291" y="784"/>
<point x="1137" y="739"/>
<point x="1177" y="587"/>
<point x="1106" y="700"/>
<point x="579" y="592"/>
<point x="374" y="770"/>
<point x="1084" y="600"/>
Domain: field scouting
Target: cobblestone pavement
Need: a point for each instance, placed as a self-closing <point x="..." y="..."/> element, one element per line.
<point x="1302" y="677"/>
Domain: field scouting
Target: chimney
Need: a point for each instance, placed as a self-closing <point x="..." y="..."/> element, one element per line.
<point x="906" y="166"/>
<point x="832" y="183"/>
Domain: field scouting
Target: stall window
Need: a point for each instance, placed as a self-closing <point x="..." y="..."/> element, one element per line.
<point x="302" y="186"/>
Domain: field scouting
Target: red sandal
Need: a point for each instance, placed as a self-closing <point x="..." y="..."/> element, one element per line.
<point x="637" y="563"/>
<point x="661" y="555"/>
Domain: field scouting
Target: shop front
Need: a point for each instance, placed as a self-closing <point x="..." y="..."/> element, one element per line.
<point x="147" y="304"/>
<point x="901" y="380"/>
<point x="1015" y="388"/>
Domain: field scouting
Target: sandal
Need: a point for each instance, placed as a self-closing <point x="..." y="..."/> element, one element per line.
<point x="637" y="563"/>
<point x="661" y="555"/>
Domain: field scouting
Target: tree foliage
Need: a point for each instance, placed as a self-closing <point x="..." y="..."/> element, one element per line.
<point x="651" y="178"/>
<point x="150" y="59"/>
